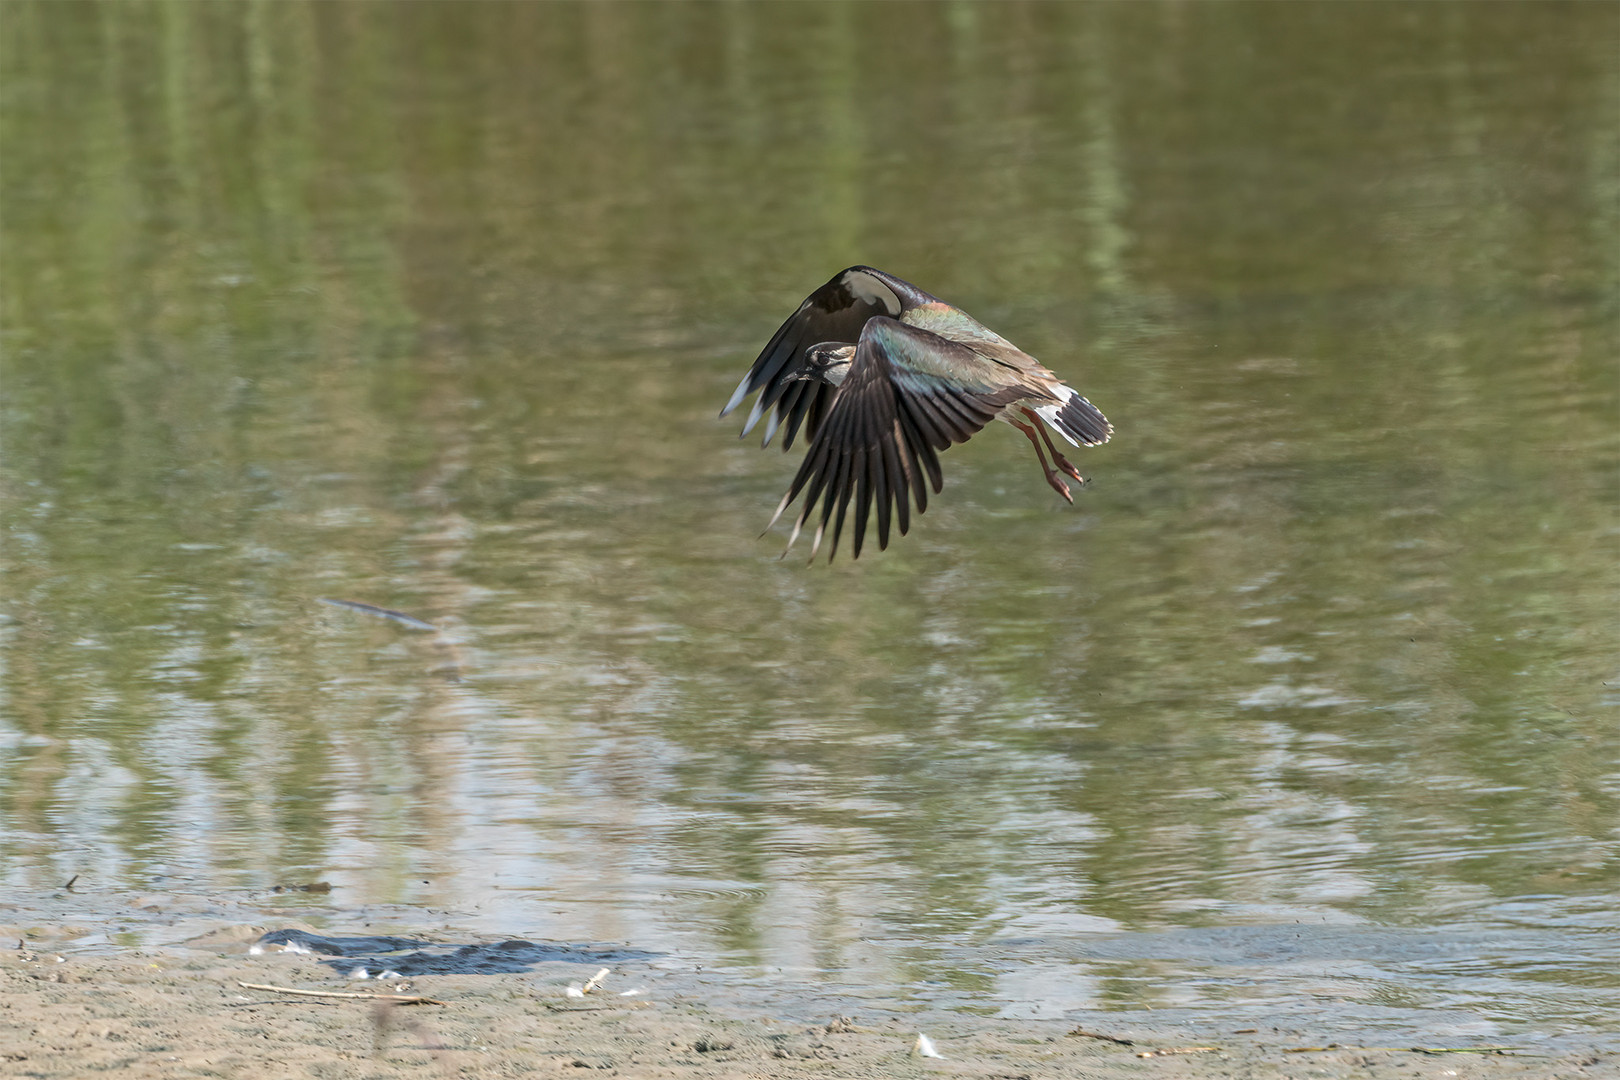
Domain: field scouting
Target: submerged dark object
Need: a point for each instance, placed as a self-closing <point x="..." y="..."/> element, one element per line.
<point x="375" y="954"/>
<point x="881" y="376"/>
<point x="380" y="612"/>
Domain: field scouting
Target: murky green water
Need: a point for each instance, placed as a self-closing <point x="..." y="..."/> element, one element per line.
<point x="433" y="308"/>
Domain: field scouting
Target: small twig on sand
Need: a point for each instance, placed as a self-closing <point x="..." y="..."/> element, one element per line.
<point x="1177" y="1050"/>
<point x="1116" y="1040"/>
<point x="398" y="999"/>
<point x="1500" y="1051"/>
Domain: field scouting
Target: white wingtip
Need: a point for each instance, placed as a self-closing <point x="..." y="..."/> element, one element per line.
<point x="736" y="396"/>
<point x="753" y="417"/>
<point x="781" y="506"/>
<point x="815" y="541"/>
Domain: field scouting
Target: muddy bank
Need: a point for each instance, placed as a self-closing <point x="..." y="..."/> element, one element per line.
<point x="182" y="1012"/>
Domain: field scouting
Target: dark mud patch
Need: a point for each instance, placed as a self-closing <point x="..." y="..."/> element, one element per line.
<point x="378" y="955"/>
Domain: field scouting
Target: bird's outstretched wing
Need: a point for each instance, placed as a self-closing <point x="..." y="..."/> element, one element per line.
<point x="834" y="312"/>
<point x="909" y="394"/>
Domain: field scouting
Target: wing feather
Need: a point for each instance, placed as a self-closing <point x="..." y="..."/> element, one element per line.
<point x="895" y="478"/>
<point x="933" y="426"/>
<point x="877" y="471"/>
<point x="835" y="312"/>
<point x="930" y="462"/>
<point x="909" y="394"/>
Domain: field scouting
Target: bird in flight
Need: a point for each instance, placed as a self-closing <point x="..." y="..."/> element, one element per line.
<point x="881" y="376"/>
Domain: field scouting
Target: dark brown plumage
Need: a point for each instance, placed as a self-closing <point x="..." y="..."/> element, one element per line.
<point x="881" y="376"/>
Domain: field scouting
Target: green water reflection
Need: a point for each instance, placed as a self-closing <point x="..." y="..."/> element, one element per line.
<point x="432" y="306"/>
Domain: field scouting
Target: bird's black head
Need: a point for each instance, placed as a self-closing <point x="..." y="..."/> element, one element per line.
<point x="827" y="362"/>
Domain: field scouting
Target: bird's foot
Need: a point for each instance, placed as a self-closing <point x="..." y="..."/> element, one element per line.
<point x="1063" y="463"/>
<point x="1058" y="485"/>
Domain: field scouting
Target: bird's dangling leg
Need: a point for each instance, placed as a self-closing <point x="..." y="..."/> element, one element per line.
<point x="1051" y="474"/>
<point x="1057" y="459"/>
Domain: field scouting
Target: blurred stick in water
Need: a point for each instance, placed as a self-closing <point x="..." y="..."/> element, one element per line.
<point x="381" y="612"/>
<point x="453" y="668"/>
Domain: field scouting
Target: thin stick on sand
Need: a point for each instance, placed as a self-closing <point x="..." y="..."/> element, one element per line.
<point x="398" y="999"/>
<point x="1115" y="1039"/>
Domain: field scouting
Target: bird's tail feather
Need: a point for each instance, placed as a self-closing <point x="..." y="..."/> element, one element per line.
<point x="1078" y="420"/>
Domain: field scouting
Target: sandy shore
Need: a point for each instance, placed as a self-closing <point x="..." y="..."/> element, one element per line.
<point x="176" y="1013"/>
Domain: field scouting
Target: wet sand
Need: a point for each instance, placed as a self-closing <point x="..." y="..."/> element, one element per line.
<point x="181" y="1012"/>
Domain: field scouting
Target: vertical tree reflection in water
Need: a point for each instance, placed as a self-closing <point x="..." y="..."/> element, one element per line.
<point x="432" y="306"/>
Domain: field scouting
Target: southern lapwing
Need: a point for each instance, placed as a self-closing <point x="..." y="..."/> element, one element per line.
<point x="882" y="376"/>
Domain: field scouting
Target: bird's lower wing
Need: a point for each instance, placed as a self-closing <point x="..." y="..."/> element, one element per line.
<point x="908" y="395"/>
